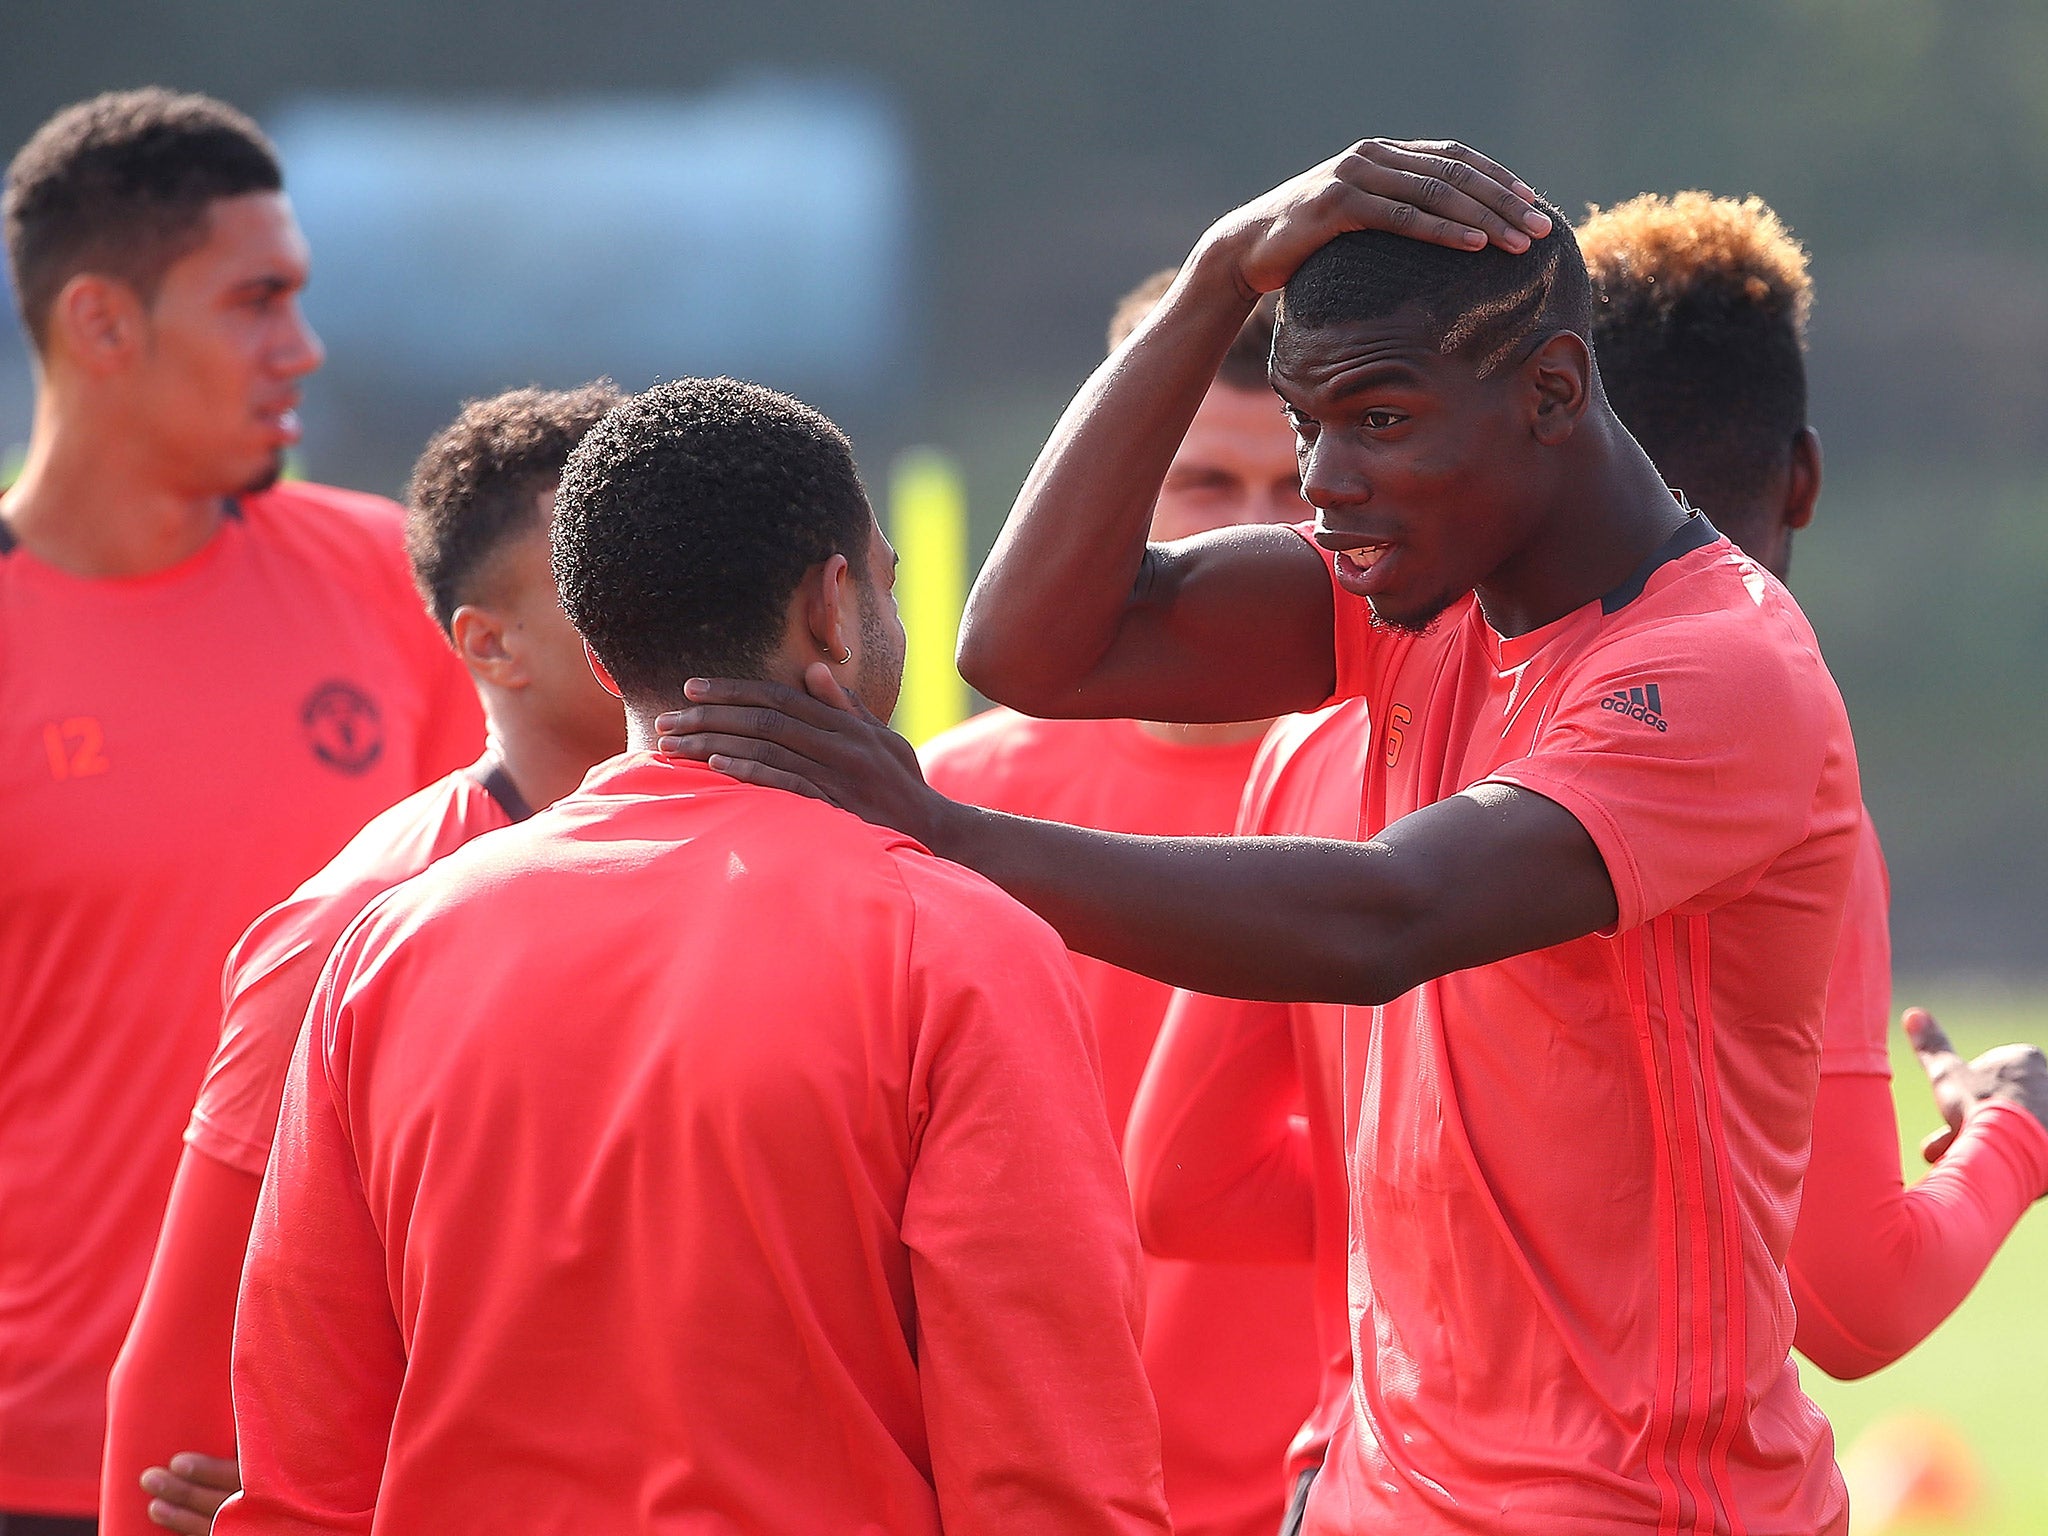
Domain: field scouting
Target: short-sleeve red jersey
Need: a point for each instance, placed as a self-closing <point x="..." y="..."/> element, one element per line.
<point x="271" y="973"/>
<point x="183" y="749"/>
<point x="694" y="1157"/>
<point x="1574" y="1172"/>
<point x="1229" y="1347"/>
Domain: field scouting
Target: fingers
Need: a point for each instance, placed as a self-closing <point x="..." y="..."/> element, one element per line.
<point x="1938" y="1056"/>
<point x="763" y="698"/>
<point x="749" y="771"/>
<point x="706" y="747"/>
<point x="753" y="722"/>
<point x="1935" y="1144"/>
<point x="1443" y="194"/>
<point x="821" y="685"/>
<point x="224" y="1473"/>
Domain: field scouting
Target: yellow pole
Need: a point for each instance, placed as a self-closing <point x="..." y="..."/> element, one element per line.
<point x="928" y="526"/>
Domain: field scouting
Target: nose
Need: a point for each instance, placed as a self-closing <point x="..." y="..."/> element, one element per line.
<point x="305" y="352"/>
<point x="1330" y="479"/>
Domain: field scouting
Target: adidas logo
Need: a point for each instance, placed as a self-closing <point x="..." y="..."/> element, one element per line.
<point x="1644" y="704"/>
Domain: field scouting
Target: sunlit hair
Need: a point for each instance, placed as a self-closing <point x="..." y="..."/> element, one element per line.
<point x="478" y="484"/>
<point x="1492" y="306"/>
<point x="685" y="520"/>
<point x="120" y="185"/>
<point x="1700" y="311"/>
<point x="1243" y="366"/>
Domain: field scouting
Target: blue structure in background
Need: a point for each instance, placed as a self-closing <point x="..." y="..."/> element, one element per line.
<point x="762" y="229"/>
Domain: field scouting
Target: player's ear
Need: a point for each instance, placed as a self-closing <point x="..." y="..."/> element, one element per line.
<point x="601" y="672"/>
<point x="831" y="613"/>
<point x="97" y="322"/>
<point x="1802" y="485"/>
<point x="481" y="639"/>
<point x="1559" y="374"/>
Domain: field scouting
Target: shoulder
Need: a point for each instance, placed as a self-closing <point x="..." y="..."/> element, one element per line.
<point x="348" y="534"/>
<point x="999" y="746"/>
<point x="966" y="929"/>
<point x="405" y="838"/>
<point x="1732" y="635"/>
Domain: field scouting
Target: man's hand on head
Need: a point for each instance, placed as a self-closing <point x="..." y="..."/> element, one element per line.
<point x="2016" y="1074"/>
<point x="1435" y="191"/>
<point x="822" y="742"/>
<point x="186" y="1495"/>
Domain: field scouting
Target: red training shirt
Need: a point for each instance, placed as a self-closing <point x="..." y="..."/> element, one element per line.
<point x="693" y="1157"/>
<point x="1236" y="1140"/>
<point x="169" y="1390"/>
<point x="1229" y="1346"/>
<point x="185" y="748"/>
<point x="1574" y="1172"/>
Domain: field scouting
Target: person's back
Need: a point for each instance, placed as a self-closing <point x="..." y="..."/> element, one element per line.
<point x="708" y="1189"/>
<point x="695" y="1157"/>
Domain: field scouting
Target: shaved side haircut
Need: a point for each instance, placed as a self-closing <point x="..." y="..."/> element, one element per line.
<point x="120" y="185"/>
<point x="1699" y="321"/>
<point x="1492" y="306"/>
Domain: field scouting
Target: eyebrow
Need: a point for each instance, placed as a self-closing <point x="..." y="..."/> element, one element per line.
<point x="268" y="283"/>
<point x="1371" y="376"/>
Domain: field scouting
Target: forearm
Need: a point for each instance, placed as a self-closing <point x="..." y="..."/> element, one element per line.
<point x="1239" y="917"/>
<point x="169" y="1391"/>
<point x="1219" y="1163"/>
<point x="1066" y="571"/>
<point x="1875" y="1265"/>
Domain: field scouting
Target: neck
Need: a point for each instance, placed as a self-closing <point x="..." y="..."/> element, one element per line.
<point x="1226" y="734"/>
<point x="1612" y="511"/>
<point x="91" y="502"/>
<point x="541" y="762"/>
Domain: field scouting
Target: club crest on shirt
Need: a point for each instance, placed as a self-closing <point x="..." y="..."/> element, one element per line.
<point x="1644" y="703"/>
<point x="343" y="725"/>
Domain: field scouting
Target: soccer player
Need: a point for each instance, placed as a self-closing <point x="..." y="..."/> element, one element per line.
<point x="1586" y="933"/>
<point x="210" y="681"/>
<point x="1229" y="1347"/>
<point x="695" y="1156"/>
<point x="481" y="500"/>
<point x="1236" y="1136"/>
<point x="1700" y="330"/>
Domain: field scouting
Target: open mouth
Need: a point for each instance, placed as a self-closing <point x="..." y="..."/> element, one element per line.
<point x="283" y="424"/>
<point x="1363" y="563"/>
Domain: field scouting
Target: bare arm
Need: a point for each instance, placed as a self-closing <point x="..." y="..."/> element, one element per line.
<point x="1074" y="614"/>
<point x="1493" y="872"/>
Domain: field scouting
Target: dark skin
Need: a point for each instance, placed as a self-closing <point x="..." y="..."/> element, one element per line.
<point x="1522" y="486"/>
<point x="1762" y="526"/>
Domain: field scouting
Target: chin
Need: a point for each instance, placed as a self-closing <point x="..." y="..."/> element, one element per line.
<point x="264" y="478"/>
<point x="1409" y="621"/>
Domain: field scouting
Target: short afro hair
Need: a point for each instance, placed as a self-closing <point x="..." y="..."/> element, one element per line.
<point x="478" y="484"/>
<point x="687" y="517"/>
<point x="1700" y="324"/>
<point x="121" y="185"/>
<point x="1243" y="366"/>
<point x="1492" y="305"/>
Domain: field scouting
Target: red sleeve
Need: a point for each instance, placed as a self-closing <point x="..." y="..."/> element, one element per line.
<point x="1354" y="635"/>
<point x="169" y="1390"/>
<point x="269" y="984"/>
<point x="1694" y="805"/>
<point x="318" y="1357"/>
<point x="1219" y="1161"/>
<point x="1024" y="1261"/>
<point x="1856" y="1032"/>
<point x="1875" y="1265"/>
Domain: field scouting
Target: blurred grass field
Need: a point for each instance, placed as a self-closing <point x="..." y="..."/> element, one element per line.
<point x="1984" y="1372"/>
